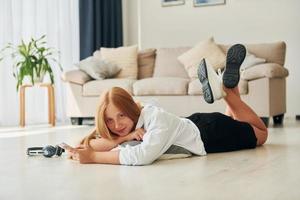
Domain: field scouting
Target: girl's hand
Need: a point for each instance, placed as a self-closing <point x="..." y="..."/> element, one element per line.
<point x="79" y="146"/>
<point x="137" y="134"/>
<point x="83" y="155"/>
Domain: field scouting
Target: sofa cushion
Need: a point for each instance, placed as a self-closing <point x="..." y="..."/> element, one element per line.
<point x="146" y="61"/>
<point x="96" y="87"/>
<point x="167" y="65"/>
<point x="195" y="87"/>
<point x="98" y="69"/>
<point x="76" y="76"/>
<point x="270" y="70"/>
<point x="243" y="87"/>
<point x="125" y="58"/>
<point x="272" y="52"/>
<point x="207" y="49"/>
<point x="160" y="86"/>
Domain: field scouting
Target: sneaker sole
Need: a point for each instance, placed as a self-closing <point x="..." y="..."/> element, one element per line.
<point x="206" y="88"/>
<point x="235" y="57"/>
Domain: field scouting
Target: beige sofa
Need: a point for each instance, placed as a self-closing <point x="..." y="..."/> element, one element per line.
<point x="163" y="80"/>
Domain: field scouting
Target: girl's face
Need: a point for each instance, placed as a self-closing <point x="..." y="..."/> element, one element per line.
<point x="117" y="121"/>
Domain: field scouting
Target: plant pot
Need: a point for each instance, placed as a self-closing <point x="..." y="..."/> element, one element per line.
<point x="38" y="79"/>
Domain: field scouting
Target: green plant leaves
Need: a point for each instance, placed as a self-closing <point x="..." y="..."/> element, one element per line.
<point x="31" y="59"/>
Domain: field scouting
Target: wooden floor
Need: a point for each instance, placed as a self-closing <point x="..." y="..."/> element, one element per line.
<point x="268" y="172"/>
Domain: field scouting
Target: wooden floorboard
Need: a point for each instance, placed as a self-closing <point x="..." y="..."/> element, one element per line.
<point x="267" y="172"/>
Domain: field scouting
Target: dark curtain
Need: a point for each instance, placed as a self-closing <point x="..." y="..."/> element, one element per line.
<point x="100" y="25"/>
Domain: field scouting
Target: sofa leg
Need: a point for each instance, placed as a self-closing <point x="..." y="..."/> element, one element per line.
<point x="265" y="120"/>
<point x="76" y="120"/>
<point x="278" y="119"/>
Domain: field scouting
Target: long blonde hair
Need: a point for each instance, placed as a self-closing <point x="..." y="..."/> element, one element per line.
<point x="123" y="101"/>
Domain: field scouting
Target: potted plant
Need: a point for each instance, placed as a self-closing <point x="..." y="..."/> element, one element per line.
<point x="30" y="60"/>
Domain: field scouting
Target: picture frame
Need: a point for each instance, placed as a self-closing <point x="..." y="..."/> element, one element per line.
<point x="165" y="3"/>
<point x="198" y="3"/>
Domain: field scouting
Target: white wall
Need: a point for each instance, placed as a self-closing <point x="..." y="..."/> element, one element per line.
<point x="244" y="21"/>
<point x="130" y="21"/>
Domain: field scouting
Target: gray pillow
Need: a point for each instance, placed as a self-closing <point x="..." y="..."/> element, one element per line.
<point x="251" y="60"/>
<point x="98" y="69"/>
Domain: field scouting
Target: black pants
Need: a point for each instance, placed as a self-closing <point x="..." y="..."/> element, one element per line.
<point x="221" y="133"/>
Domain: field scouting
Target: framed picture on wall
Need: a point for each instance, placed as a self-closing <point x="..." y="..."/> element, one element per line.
<point x="172" y="2"/>
<point x="208" y="2"/>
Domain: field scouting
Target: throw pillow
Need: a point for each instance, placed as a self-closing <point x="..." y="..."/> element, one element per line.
<point x="98" y="69"/>
<point x="167" y="64"/>
<point x="207" y="49"/>
<point x="146" y="60"/>
<point x="125" y="58"/>
<point x="251" y="60"/>
<point x="97" y="54"/>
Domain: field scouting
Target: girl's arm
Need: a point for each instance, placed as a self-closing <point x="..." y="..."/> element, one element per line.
<point x="102" y="144"/>
<point x="87" y="155"/>
<point x="99" y="150"/>
<point x="110" y="157"/>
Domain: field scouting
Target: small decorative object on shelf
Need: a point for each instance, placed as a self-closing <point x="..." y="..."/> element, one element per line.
<point x="30" y="60"/>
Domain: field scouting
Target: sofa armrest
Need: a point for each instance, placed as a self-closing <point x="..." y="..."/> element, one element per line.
<point x="269" y="70"/>
<point x="75" y="76"/>
<point x="266" y="96"/>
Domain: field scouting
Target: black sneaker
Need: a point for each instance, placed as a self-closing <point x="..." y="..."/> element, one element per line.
<point x="235" y="57"/>
<point x="211" y="82"/>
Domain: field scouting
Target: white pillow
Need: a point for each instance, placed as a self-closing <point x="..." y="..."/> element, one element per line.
<point x="98" y="69"/>
<point x="125" y="58"/>
<point x="251" y="60"/>
<point x="207" y="49"/>
<point x="97" y="54"/>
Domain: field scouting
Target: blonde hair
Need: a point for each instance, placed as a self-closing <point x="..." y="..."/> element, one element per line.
<point x="123" y="101"/>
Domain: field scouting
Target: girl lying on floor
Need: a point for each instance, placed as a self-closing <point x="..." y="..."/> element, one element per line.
<point x="120" y="119"/>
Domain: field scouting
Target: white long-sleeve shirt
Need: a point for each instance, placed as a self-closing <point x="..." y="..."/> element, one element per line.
<point x="162" y="129"/>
